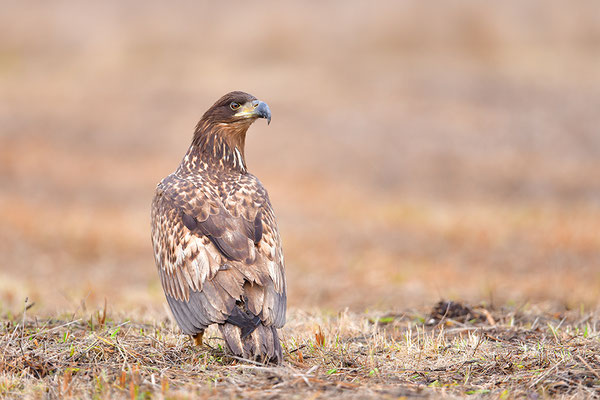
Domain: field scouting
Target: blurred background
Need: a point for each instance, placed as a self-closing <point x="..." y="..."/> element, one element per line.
<point x="416" y="152"/>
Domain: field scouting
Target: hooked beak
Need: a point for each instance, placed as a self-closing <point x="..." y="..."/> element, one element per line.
<point x="255" y="109"/>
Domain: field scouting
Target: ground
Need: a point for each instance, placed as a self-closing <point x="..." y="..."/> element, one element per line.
<point x="454" y="350"/>
<point x="415" y="154"/>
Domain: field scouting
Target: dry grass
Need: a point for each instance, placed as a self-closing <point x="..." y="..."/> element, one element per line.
<point x="454" y="350"/>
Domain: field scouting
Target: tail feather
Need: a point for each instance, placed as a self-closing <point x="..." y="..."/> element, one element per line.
<point x="260" y="345"/>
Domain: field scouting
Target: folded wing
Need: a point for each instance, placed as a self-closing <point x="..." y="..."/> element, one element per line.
<point x="218" y="260"/>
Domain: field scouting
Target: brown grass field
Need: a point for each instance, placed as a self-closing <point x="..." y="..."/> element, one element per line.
<point x="416" y="154"/>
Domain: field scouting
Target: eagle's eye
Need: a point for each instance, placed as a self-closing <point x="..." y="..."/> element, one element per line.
<point x="234" y="105"/>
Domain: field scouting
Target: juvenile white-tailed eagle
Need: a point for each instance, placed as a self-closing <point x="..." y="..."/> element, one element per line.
<point x="216" y="242"/>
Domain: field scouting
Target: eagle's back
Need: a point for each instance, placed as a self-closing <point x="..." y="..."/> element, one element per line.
<point x="218" y="253"/>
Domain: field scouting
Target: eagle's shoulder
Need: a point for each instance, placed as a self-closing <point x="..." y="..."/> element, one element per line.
<point x="192" y="196"/>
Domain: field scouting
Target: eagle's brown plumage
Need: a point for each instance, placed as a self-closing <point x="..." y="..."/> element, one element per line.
<point x="216" y="242"/>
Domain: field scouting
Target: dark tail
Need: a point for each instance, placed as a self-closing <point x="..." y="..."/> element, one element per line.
<point x="262" y="344"/>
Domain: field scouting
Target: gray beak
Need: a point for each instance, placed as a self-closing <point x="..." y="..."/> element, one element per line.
<point x="263" y="111"/>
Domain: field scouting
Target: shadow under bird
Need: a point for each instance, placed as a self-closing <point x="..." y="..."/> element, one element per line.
<point x="216" y="243"/>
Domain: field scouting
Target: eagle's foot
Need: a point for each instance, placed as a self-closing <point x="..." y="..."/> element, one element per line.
<point x="198" y="338"/>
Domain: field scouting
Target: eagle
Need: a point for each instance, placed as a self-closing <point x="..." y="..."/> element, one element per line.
<point x="215" y="238"/>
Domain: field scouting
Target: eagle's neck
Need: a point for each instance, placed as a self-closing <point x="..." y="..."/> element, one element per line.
<point x="217" y="146"/>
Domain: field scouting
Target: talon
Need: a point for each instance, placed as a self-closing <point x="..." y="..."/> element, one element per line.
<point x="198" y="338"/>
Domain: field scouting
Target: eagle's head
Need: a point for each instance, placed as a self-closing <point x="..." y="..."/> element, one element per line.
<point x="237" y="110"/>
<point x="221" y="133"/>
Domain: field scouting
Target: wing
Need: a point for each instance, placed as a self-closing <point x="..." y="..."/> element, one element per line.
<point x="266" y="299"/>
<point x="213" y="254"/>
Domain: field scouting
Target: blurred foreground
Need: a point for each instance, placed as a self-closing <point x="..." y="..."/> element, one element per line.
<point x="414" y="154"/>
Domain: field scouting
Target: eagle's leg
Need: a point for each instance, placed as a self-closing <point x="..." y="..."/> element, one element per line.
<point x="198" y="338"/>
